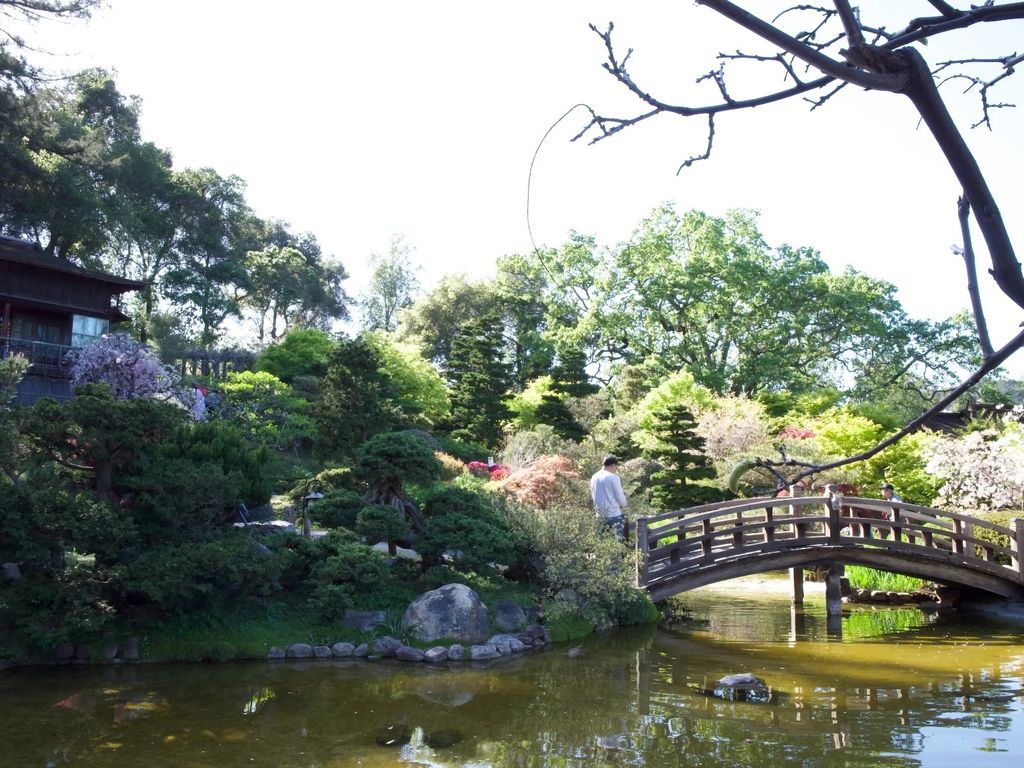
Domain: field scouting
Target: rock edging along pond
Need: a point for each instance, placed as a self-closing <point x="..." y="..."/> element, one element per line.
<point x="453" y="614"/>
<point x="502" y="644"/>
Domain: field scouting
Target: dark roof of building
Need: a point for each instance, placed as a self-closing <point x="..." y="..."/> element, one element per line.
<point x="21" y="252"/>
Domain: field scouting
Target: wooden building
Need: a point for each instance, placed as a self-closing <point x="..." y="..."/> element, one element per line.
<point x="49" y="306"/>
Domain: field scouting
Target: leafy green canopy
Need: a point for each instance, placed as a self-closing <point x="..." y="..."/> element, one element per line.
<point x="301" y="352"/>
<point x="709" y="295"/>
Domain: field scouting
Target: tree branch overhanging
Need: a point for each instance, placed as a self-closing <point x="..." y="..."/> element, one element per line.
<point x="886" y="63"/>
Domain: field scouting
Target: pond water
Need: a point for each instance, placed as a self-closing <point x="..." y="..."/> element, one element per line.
<point x="897" y="688"/>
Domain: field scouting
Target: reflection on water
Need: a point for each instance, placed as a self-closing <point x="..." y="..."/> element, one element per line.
<point x="899" y="689"/>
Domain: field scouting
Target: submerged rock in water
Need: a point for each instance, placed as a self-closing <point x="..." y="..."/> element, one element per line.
<point x="443" y="738"/>
<point x="393" y="735"/>
<point x="743" y="686"/>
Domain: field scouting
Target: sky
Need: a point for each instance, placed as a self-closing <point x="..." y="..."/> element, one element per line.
<point x="360" y="121"/>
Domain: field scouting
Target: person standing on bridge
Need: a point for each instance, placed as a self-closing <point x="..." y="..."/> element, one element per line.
<point x="609" y="500"/>
<point x="889" y="493"/>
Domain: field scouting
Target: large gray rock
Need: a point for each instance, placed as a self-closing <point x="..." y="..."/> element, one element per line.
<point x="456" y="652"/>
<point x="361" y="650"/>
<point x="364" y="621"/>
<point x="508" y="617"/>
<point x="453" y="611"/>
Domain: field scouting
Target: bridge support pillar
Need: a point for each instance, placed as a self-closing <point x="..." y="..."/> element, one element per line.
<point x="833" y="590"/>
<point x="796" y="580"/>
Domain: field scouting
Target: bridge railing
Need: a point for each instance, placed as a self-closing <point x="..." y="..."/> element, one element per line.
<point x="673" y="543"/>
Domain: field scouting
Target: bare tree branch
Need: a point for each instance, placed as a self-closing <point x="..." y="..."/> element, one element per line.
<point x="851" y="24"/>
<point x="774" y="35"/>
<point x="963" y="213"/>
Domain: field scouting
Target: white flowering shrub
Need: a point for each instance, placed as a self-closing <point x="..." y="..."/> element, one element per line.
<point x="982" y="470"/>
<point x="129" y="368"/>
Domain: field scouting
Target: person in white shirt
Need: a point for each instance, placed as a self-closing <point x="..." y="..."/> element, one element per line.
<point x="609" y="500"/>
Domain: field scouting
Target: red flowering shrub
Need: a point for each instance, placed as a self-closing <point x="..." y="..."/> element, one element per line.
<point x="797" y="433"/>
<point x="479" y="469"/>
<point x="488" y="471"/>
<point x="546" y="481"/>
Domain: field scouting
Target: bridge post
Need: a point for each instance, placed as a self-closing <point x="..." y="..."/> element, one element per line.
<point x="835" y="505"/>
<point x="833" y="590"/>
<point x="1017" y="547"/>
<point x="796" y="580"/>
<point x="796" y="575"/>
<point x="642" y="549"/>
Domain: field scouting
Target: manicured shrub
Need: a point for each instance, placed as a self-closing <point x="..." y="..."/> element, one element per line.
<point x="380" y="522"/>
<point x="337" y="509"/>
<point x="202" y="577"/>
<point x="466" y="524"/>
<point x="350" y="570"/>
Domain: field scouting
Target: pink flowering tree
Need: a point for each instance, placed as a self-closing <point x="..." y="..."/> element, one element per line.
<point x="129" y="368"/>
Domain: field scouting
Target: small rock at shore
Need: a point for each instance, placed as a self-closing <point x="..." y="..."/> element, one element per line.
<point x="300" y="651"/>
<point x="322" y="652"/>
<point x="361" y="651"/>
<point x="456" y="652"/>
<point x="485" y="651"/>
<point x="276" y="654"/>
<point x="436" y="654"/>
<point x="385" y="646"/>
<point x="342" y="650"/>
<point x="405" y="653"/>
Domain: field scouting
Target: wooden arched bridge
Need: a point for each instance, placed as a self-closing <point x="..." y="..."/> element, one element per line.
<point x="686" y="549"/>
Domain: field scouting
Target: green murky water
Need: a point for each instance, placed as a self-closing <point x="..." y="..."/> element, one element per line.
<point x="896" y="689"/>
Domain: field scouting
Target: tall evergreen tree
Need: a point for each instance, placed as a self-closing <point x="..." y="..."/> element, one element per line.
<point x="568" y="380"/>
<point x="478" y="380"/>
<point x="357" y="400"/>
<point x="680" y="450"/>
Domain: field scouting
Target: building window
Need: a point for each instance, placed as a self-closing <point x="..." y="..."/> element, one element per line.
<point x="38" y="328"/>
<point x="85" y="330"/>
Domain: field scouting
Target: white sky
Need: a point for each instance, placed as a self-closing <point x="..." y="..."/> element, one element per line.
<point x="359" y="120"/>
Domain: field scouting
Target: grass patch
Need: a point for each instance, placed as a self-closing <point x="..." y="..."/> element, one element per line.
<point x="868" y="578"/>
<point x="230" y="638"/>
<point x="565" y="628"/>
